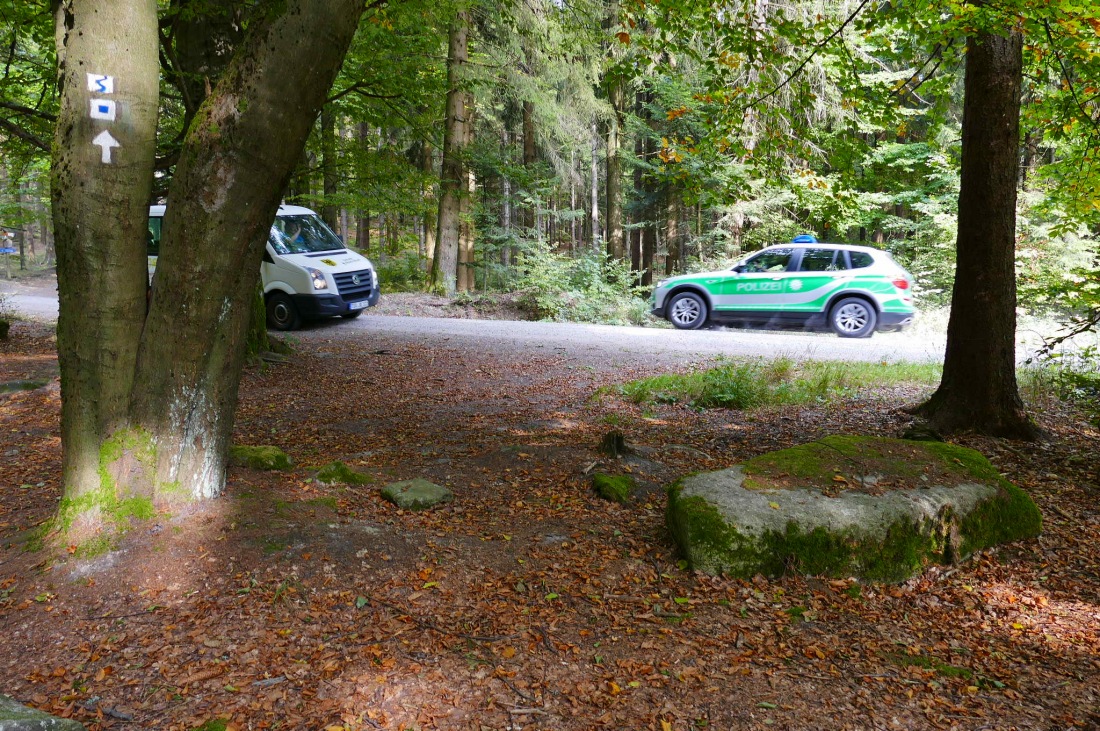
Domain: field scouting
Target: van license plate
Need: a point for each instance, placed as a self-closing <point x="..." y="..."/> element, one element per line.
<point x="357" y="305"/>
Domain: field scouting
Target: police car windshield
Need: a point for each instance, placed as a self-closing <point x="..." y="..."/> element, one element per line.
<point x="303" y="234"/>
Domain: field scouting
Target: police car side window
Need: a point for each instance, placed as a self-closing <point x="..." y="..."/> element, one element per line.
<point x="818" y="260"/>
<point x="775" y="260"/>
<point x="860" y="259"/>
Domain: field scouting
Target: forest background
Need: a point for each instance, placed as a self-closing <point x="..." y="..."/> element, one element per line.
<point x="603" y="145"/>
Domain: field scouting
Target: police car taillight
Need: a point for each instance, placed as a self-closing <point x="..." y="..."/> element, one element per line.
<point x="901" y="283"/>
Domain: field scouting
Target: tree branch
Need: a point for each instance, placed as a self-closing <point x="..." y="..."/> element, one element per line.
<point x="1069" y="82"/>
<point x="24" y="135"/>
<point x="28" y="111"/>
<point x="814" y="52"/>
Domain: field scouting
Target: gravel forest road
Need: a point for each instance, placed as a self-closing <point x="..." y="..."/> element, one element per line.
<point x="404" y="317"/>
<point x="38" y="300"/>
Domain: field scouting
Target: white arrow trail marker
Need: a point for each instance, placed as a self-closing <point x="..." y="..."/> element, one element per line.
<point x="103" y="109"/>
<point x="101" y="84"/>
<point x="105" y="141"/>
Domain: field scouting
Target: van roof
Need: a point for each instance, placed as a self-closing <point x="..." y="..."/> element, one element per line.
<point x="284" y="210"/>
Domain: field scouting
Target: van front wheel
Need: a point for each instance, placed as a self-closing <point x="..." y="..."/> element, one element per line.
<point x="282" y="314"/>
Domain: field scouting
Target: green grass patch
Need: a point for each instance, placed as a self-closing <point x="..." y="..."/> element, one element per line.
<point x="739" y="385"/>
<point x="927" y="662"/>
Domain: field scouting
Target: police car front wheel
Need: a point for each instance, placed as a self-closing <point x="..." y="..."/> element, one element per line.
<point x="853" y="318"/>
<point x="687" y="311"/>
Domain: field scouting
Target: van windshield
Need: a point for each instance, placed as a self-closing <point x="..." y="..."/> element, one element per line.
<point x="303" y="235"/>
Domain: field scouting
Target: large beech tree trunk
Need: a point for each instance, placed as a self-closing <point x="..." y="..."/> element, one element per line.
<point x="101" y="215"/>
<point x="978" y="390"/>
<point x="148" y="401"/>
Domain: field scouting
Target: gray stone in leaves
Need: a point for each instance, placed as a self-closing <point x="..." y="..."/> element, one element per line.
<point x="416" y="494"/>
<point x="14" y="716"/>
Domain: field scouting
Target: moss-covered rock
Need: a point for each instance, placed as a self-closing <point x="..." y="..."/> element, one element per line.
<point x="880" y="509"/>
<point x="339" y="473"/>
<point x="616" y="488"/>
<point x="259" y="458"/>
<point x="416" y="494"/>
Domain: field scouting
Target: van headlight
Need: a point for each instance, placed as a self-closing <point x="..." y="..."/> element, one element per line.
<point x="318" y="277"/>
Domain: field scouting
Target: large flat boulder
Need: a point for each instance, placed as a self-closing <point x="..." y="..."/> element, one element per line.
<point x="879" y="509"/>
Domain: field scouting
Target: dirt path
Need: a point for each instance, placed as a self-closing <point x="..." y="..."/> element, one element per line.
<point x="528" y="602"/>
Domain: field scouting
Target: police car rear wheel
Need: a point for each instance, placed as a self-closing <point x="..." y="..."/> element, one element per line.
<point x="687" y="311"/>
<point x="281" y="312"/>
<point x="853" y="318"/>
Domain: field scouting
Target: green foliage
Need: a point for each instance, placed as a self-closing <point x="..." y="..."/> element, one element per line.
<point x="402" y="273"/>
<point x="736" y="385"/>
<point x="587" y="288"/>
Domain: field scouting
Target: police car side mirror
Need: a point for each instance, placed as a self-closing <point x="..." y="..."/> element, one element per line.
<point x="738" y="269"/>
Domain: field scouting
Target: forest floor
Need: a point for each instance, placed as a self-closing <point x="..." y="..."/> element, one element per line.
<point x="527" y="602"/>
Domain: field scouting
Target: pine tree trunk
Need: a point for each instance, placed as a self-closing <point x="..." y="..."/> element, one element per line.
<point x="672" y="231"/>
<point x="616" y="245"/>
<point x="530" y="214"/>
<point x="594" y="176"/>
<point x="978" y="390"/>
<point x="466" y="279"/>
<point x="453" y="182"/>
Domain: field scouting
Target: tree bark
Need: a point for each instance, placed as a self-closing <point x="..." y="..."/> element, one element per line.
<point x="530" y="157"/>
<point x="329" y="174"/>
<point x="100" y="212"/>
<point x="466" y="280"/>
<point x="453" y="181"/>
<point x="148" y="401"/>
<point x="616" y="245"/>
<point x="594" y="175"/>
<point x="978" y="390"/>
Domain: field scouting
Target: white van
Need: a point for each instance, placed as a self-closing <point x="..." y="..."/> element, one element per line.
<point x="307" y="272"/>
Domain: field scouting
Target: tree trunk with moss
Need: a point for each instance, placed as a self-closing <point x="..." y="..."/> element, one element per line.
<point x="148" y="400"/>
<point x="978" y="391"/>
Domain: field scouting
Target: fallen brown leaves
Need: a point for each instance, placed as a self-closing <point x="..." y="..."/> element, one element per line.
<point x="528" y="602"/>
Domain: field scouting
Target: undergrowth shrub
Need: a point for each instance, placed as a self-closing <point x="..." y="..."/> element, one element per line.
<point x="6" y="316"/>
<point x="402" y="273"/>
<point x="1071" y="375"/>
<point x="737" y="385"/>
<point x="584" y="288"/>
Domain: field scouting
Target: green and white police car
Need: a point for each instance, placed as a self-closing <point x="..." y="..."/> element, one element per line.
<point x="854" y="290"/>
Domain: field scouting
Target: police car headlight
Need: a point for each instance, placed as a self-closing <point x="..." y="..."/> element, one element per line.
<point x="662" y="283"/>
<point x="318" y="277"/>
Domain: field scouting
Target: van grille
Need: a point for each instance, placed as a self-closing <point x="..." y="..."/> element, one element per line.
<point x="351" y="290"/>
